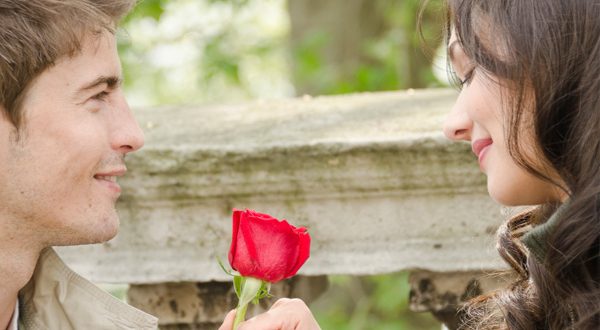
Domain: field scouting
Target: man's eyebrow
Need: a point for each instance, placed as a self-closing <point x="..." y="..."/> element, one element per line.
<point x="111" y="81"/>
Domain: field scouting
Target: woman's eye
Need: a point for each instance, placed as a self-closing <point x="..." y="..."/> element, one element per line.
<point x="467" y="79"/>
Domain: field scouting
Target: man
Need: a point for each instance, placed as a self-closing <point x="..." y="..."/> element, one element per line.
<point x="65" y="129"/>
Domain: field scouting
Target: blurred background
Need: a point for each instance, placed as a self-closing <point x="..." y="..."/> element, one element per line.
<point x="209" y="51"/>
<point x="228" y="51"/>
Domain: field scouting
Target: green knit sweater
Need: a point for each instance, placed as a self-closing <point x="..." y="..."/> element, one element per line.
<point x="536" y="240"/>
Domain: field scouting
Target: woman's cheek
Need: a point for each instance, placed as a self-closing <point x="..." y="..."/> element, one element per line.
<point x="511" y="185"/>
<point x="503" y="179"/>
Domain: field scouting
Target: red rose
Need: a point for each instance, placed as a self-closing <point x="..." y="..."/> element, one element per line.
<point x="266" y="248"/>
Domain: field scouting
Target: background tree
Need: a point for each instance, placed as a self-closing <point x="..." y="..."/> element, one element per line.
<point x="198" y="51"/>
<point x="343" y="46"/>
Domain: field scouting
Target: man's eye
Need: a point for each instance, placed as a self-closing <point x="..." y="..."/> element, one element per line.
<point x="101" y="96"/>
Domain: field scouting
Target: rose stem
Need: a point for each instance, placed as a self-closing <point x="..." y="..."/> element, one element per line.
<point x="250" y="288"/>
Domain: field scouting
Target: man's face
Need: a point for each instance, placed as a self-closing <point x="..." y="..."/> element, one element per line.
<point x="58" y="172"/>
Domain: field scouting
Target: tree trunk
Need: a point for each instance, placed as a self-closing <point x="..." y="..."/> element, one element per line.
<point x="330" y="39"/>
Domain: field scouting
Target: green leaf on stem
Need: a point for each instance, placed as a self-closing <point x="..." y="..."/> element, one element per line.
<point x="229" y="272"/>
<point x="263" y="292"/>
<point x="237" y="285"/>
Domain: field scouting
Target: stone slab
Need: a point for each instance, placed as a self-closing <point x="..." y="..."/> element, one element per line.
<point x="370" y="175"/>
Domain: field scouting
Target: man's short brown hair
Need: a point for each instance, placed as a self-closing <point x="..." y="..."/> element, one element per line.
<point x="34" y="34"/>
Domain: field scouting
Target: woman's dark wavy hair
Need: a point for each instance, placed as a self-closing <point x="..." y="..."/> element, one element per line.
<point x="546" y="54"/>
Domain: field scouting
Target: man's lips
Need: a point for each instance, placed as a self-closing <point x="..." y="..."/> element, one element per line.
<point x="110" y="175"/>
<point x="110" y="178"/>
<point x="478" y="146"/>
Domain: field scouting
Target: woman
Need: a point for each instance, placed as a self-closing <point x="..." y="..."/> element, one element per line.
<point x="529" y="104"/>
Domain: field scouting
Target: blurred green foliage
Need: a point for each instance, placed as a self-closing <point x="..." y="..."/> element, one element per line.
<point x="237" y="55"/>
<point x="391" y="55"/>
<point x="147" y="8"/>
<point x="188" y="51"/>
<point x="370" y="302"/>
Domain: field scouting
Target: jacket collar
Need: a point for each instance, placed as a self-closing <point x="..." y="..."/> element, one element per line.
<point x="536" y="240"/>
<point x="58" y="298"/>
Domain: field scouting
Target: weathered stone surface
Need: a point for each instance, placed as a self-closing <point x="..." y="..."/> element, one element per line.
<point x="443" y="294"/>
<point x="370" y="175"/>
<point x="204" y="305"/>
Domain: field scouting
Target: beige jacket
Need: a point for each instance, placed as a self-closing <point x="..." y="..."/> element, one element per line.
<point x="56" y="298"/>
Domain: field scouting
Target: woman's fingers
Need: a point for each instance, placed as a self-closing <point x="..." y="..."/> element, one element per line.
<point x="228" y="322"/>
<point x="285" y="314"/>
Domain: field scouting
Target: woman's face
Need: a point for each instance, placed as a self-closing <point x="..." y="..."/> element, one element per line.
<point x="478" y="117"/>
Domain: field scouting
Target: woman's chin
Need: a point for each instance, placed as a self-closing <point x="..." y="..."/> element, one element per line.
<point x="505" y="194"/>
<point x="520" y="192"/>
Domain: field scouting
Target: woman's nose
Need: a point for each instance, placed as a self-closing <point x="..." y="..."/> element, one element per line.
<point x="458" y="125"/>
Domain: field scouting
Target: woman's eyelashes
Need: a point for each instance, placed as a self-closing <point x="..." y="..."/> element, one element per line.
<point x="467" y="78"/>
<point x="462" y="82"/>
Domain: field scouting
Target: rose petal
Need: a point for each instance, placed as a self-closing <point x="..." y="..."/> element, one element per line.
<point x="266" y="248"/>
<point x="236" y="225"/>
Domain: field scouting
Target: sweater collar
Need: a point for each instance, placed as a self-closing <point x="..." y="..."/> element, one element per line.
<point x="536" y="240"/>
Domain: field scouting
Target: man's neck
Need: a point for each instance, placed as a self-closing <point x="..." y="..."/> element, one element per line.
<point x="8" y="315"/>
<point x="18" y="258"/>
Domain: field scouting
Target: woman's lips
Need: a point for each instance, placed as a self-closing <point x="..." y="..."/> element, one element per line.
<point x="480" y="147"/>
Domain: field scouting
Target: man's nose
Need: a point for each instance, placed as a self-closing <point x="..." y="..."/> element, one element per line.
<point x="127" y="134"/>
<point x="458" y="125"/>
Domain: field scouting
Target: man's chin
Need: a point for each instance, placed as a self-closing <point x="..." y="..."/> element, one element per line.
<point x="100" y="232"/>
<point x="107" y="232"/>
<point x="105" y="237"/>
